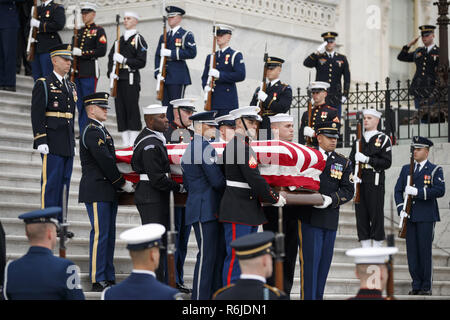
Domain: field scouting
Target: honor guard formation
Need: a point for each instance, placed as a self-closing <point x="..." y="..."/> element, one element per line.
<point x="248" y="233"/>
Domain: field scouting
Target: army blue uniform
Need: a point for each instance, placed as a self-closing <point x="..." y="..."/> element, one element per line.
<point x="319" y="114"/>
<point x="52" y="116"/>
<point x="53" y="19"/>
<point x="423" y="216"/>
<point x="204" y="181"/>
<point x="230" y="64"/>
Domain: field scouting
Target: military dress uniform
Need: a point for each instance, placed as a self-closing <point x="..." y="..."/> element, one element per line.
<point x="318" y="226"/>
<point x="53" y="106"/>
<point x="52" y="19"/>
<point x="230" y="64"/>
<point x="428" y="179"/>
<point x="331" y="68"/>
<point x="182" y="45"/>
<point x="319" y="114"/>
<point x="24" y="11"/>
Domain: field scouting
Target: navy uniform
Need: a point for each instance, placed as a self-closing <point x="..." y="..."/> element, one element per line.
<point x="427" y="62"/>
<point x="99" y="182"/>
<point x="53" y="106"/>
<point x="39" y="275"/>
<point x="377" y="151"/>
<point x="51" y="19"/>
<point x="318" y="224"/>
<point x="92" y="45"/>
<point x="142" y="284"/>
<point x="231" y="69"/>
<point x="429" y="185"/>
<point x="319" y="114"/>
<point x="180" y="47"/>
<point x="278" y="100"/>
<point x="251" y="286"/>
<point x="240" y="208"/>
<point x="204" y="182"/>
<point x="131" y="58"/>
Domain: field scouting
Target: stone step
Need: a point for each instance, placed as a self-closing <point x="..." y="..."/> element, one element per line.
<point x="15" y="97"/>
<point x="32" y="168"/>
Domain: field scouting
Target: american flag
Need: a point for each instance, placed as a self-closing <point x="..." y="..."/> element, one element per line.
<point x="281" y="163"/>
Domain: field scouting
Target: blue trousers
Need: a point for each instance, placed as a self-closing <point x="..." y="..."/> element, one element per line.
<point x="172" y="92"/>
<point x="8" y="47"/>
<point x="232" y="231"/>
<point x="419" y="239"/>
<point x="41" y="65"/>
<point x="183" y="233"/>
<point x="56" y="172"/>
<point x="102" y="238"/>
<point x="316" y="253"/>
<point x="85" y="86"/>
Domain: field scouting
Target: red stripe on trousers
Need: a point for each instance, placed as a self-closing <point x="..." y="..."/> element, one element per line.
<point x="230" y="268"/>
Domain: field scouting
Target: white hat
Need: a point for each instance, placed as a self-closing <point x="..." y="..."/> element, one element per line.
<point x="188" y="103"/>
<point x="88" y="6"/>
<point x="223" y="28"/>
<point x="372" y="112"/>
<point x="246" y="112"/>
<point x="371" y="255"/>
<point x="154" y="109"/>
<point x="131" y="14"/>
<point x="319" y="85"/>
<point x="143" y="237"/>
<point x="281" y="117"/>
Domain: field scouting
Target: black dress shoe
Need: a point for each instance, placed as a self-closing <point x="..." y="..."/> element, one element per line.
<point x="100" y="286"/>
<point x="111" y="282"/>
<point x="13" y="89"/>
<point x="413" y="292"/>
<point x="425" y="293"/>
<point x="183" y="289"/>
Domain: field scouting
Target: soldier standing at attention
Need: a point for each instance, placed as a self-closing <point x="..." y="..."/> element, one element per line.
<point x="331" y="67"/>
<point x="229" y="69"/>
<point x="180" y="47"/>
<point x="131" y="58"/>
<point x="376" y="157"/>
<point x="53" y="104"/>
<point x="91" y="46"/>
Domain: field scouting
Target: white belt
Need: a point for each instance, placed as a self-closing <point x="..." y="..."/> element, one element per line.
<point x="238" y="184"/>
<point x="144" y="177"/>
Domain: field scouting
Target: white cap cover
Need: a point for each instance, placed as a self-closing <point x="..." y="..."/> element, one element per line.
<point x="154" y="109"/>
<point x="372" y="112"/>
<point x="281" y="117"/>
<point x="248" y="112"/>
<point x="371" y="255"/>
<point x="131" y="14"/>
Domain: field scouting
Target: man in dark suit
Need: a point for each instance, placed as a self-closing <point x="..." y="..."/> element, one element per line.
<point x="39" y="275"/>
<point x="428" y="185"/>
<point x="100" y="180"/>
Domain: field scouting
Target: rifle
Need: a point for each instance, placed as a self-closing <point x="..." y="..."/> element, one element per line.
<point x="115" y="70"/>
<point x="162" y="62"/>
<point x="31" y="45"/>
<point x="408" y="200"/>
<point x="171" y="247"/>
<point x="309" y="139"/>
<point x="390" y="264"/>
<point x="279" y="252"/>
<point x="75" y="45"/>
<point x="64" y="233"/>
<point x="212" y="64"/>
<point x="358" y="169"/>
<point x="264" y="83"/>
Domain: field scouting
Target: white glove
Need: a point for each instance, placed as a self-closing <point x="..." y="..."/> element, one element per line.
<point x="360" y="157"/>
<point x="165" y="52"/>
<point x="207" y="89"/>
<point x="214" y="73"/>
<point x="77" y="52"/>
<point x="308" y="132"/>
<point x="262" y="95"/>
<point x="326" y="202"/>
<point x="356" y="179"/>
<point x="343" y="99"/>
<point x="43" y="148"/>
<point x="159" y="77"/>
<point x="35" y="23"/>
<point x="321" y="48"/>
<point x="113" y="75"/>
<point x="281" y="201"/>
<point x="128" y="187"/>
<point x="403" y="214"/>
<point x="119" y="58"/>
<point x="411" y="190"/>
<point x="182" y="189"/>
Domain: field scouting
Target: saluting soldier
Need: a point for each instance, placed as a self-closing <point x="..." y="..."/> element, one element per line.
<point x="426" y="59"/>
<point x="51" y="19"/>
<point x="151" y="161"/>
<point x="229" y="69"/>
<point x="180" y="47"/>
<point x="428" y="179"/>
<point x="131" y="58"/>
<point x="276" y="99"/>
<point x="318" y="224"/>
<point x="255" y="252"/>
<point x="376" y="157"/>
<point x="321" y="112"/>
<point x="53" y="104"/>
<point x="240" y="209"/>
<point x="91" y="46"/>
<point x="331" y="67"/>
<point x="98" y="185"/>
<point x="39" y="275"/>
<point x="143" y="244"/>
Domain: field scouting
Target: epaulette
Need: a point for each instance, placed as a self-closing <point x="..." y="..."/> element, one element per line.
<point x="222" y="290"/>
<point x="273" y="289"/>
<point x="41" y="79"/>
